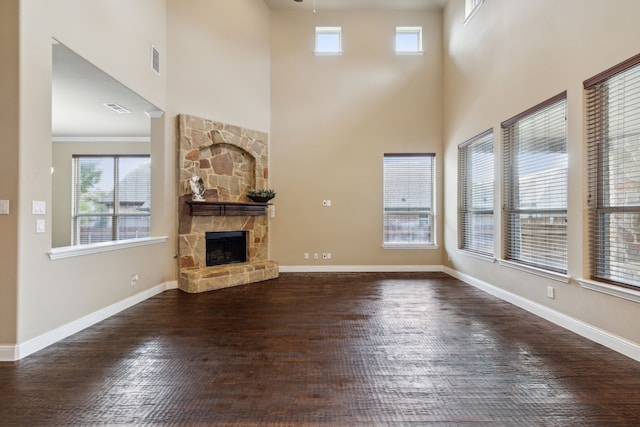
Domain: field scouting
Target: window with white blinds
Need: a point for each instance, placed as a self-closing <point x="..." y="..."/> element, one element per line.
<point x="535" y="186"/>
<point x="111" y="198"/>
<point x="475" y="194"/>
<point x="613" y="143"/>
<point x="409" y="216"/>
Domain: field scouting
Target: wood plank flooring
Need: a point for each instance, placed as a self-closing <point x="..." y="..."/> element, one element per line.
<point x="401" y="349"/>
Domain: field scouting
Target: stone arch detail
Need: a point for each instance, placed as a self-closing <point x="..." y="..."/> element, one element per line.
<point x="229" y="159"/>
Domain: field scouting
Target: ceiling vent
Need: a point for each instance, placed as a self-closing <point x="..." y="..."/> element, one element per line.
<point x="116" y="107"/>
<point x="155" y="59"/>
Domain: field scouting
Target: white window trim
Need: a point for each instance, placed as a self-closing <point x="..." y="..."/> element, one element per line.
<point x="488" y="258"/>
<point x="408" y="246"/>
<point x="560" y="277"/>
<point x="420" y="245"/>
<point x="469" y="14"/>
<point x="95" y="248"/>
<point x="328" y="30"/>
<point x="615" y="291"/>
<point x="411" y="30"/>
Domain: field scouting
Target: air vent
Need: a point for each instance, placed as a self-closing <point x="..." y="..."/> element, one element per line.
<point x="116" y="107"/>
<point x="155" y="59"/>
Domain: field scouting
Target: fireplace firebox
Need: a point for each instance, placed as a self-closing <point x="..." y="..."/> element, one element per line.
<point x="226" y="247"/>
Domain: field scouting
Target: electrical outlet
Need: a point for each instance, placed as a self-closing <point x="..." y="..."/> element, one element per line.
<point x="306" y="255"/>
<point x="551" y="293"/>
<point x="4" y="207"/>
<point x="40" y="226"/>
<point x="328" y="255"/>
<point x="315" y="255"/>
<point x="38" y="207"/>
<point x="134" y="279"/>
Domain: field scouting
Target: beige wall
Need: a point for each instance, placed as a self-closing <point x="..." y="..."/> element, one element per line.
<point x="219" y="68"/>
<point x="509" y="57"/>
<point x="62" y="161"/>
<point x="333" y="118"/>
<point x="9" y="149"/>
<point x="115" y="36"/>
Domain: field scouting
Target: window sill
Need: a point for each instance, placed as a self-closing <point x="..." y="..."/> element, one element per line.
<point x="616" y="291"/>
<point x="327" y="53"/>
<point x="80" y="250"/>
<point x="537" y="271"/>
<point x="488" y="258"/>
<point x="416" y="53"/>
<point x="409" y="246"/>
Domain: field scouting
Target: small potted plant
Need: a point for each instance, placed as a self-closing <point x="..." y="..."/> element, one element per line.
<point x="261" y="196"/>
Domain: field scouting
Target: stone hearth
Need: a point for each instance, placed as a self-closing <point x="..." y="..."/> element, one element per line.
<point x="230" y="160"/>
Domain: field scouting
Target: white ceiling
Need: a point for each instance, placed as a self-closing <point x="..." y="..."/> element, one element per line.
<point x="356" y="4"/>
<point x="79" y="90"/>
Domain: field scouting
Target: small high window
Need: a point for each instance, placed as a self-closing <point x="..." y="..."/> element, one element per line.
<point x="408" y="40"/>
<point x="328" y="41"/>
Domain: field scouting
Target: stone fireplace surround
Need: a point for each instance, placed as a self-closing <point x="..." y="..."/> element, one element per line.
<point x="230" y="160"/>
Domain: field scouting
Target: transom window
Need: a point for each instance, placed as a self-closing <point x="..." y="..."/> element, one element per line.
<point x="408" y="40"/>
<point x="328" y="41"/>
<point x="535" y="186"/>
<point x="408" y="200"/>
<point x="111" y="198"/>
<point x="475" y="194"/>
<point x="613" y="143"/>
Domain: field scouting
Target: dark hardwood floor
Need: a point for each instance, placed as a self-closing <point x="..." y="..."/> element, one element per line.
<point x="324" y="349"/>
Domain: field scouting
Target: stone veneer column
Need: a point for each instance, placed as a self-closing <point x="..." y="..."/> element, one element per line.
<point x="230" y="160"/>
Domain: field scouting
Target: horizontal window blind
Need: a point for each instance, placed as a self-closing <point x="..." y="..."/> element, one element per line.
<point x="475" y="194"/>
<point x="408" y="198"/>
<point x="111" y="198"/>
<point x="613" y="144"/>
<point x="535" y="186"/>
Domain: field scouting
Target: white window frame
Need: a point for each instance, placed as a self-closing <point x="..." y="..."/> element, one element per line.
<point x="471" y="7"/>
<point x="320" y="31"/>
<point x="426" y="215"/>
<point x="546" y="213"/>
<point x="417" y="31"/>
<point x="112" y="217"/>
<point x="470" y="185"/>
<point x="614" y="208"/>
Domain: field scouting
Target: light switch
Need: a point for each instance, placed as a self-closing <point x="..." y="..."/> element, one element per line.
<point x="4" y="207"/>
<point x="39" y="207"/>
<point x="40" y="226"/>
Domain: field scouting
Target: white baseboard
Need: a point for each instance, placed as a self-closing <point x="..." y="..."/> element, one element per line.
<point x="8" y="353"/>
<point x="607" y="339"/>
<point x="359" y="268"/>
<point x="11" y="353"/>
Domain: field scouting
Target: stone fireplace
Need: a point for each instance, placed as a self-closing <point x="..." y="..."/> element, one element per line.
<point x="230" y="160"/>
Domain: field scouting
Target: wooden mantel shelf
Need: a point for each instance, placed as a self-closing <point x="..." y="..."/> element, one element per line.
<point x="226" y="208"/>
